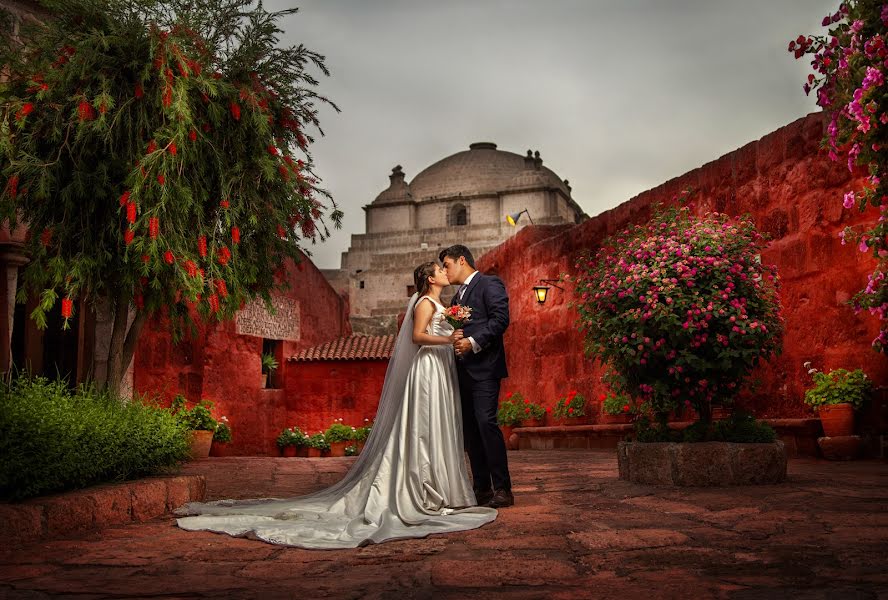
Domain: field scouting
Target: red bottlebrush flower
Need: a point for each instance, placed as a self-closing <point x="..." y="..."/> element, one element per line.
<point x="85" y="111"/>
<point x="202" y="246"/>
<point x="272" y="149"/>
<point x="139" y="301"/>
<point x="206" y="127"/>
<point x="128" y="236"/>
<point x="217" y="75"/>
<point x="124" y="198"/>
<point x="288" y="160"/>
<point x="12" y="186"/>
<point x="153" y="227"/>
<point x="192" y="135"/>
<point x="172" y="148"/>
<point x="204" y="98"/>
<point x="167" y="95"/>
<point x="168" y="257"/>
<point x="182" y="69"/>
<point x="213" y="300"/>
<point x="190" y="268"/>
<point x="235" y="235"/>
<point x="67" y="308"/>
<point x="27" y="109"/>
<point x="281" y="232"/>
<point x="221" y="288"/>
<point x="300" y="139"/>
<point x="131" y="212"/>
<point x="225" y="203"/>
<point x="139" y="92"/>
<point x="145" y="258"/>
<point x="152" y="146"/>
<point x="161" y="179"/>
<point x="46" y="237"/>
<point x="284" y="172"/>
<point x="102" y="108"/>
<point x="235" y="111"/>
<point x="224" y="255"/>
<point x="308" y="228"/>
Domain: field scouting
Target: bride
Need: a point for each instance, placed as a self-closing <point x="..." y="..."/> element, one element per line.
<point x="411" y="479"/>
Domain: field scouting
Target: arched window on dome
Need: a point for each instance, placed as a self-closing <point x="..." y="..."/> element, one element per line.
<point x="458" y="215"/>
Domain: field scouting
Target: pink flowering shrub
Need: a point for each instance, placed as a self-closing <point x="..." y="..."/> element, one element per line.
<point x="680" y="309"/>
<point x="849" y="80"/>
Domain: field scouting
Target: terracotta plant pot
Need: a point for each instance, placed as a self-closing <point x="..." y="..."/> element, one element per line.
<point x="337" y="448"/>
<point x="609" y="419"/>
<point x="313" y="452"/>
<point x="302" y="451"/>
<point x="288" y="451"/>
<point x="837" y="419"/>
<point x="576" y="421"/>
<point x="507" y="432"/>
<point x="532" y="423"/>
<point x="200" y="444"/>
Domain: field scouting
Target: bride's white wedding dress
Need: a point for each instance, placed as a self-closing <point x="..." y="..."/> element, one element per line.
<point x="410" y="481"/>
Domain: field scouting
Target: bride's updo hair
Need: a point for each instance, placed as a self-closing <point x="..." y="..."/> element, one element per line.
<point x="421" y="276"/>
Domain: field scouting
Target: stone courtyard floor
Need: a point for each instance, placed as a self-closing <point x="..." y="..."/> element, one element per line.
<point x="576" y="531"/>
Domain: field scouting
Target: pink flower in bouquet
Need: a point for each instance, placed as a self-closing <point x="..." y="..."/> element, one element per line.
<point x="458" y="315"/>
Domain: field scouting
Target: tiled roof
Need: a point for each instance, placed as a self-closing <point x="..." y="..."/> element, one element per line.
<point x="355" y="347"/>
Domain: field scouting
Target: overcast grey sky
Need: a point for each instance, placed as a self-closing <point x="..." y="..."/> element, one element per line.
<point x="618" y="96"/>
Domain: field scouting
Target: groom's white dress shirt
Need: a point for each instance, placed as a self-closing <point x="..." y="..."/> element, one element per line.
<point x="462" y="290"/>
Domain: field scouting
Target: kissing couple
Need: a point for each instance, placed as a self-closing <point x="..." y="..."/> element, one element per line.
<point x="439" y="400"/>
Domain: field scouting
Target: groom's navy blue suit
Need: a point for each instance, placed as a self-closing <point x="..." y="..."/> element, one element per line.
<point x="479" y="380"/>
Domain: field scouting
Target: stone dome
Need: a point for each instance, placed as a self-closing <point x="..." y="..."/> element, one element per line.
<point x="397" y="191"/>
<point x="482" y="169"/>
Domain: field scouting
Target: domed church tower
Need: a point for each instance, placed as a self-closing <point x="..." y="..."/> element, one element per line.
<point x="462" y="199"/>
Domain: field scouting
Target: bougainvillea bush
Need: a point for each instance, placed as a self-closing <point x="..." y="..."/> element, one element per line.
<point x="850" y="63"/>
<point x="680" y="309"/>
<point x="158" y="153"/>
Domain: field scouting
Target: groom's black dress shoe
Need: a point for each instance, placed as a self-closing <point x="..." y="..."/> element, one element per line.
<point x="501" y="499"/>
<point x="483" y="497"/>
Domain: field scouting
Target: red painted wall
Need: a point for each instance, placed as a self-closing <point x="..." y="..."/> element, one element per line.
<point x="222" y="366"/>
<point x="793" y="192"/>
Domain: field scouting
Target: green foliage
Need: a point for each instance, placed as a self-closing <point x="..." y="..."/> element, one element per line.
<point x="200" y="417"/>
<point x="351" y="450"/>
<point x="839" y="386"/>
<point x="741" y="428"/>
<point x="680" y="308"/>
<point x="510" y="411"/>
<point x="362" y="433"/>
<point x="53" y="439"/>
<point x="158" y="151"/>
<point x="292" y="436"/>
<point x="617" y="404"/>
<point x="337" y="432"/>
<point x="571" y="406"/>
<point x="318" y="441"/>
<point x="269" y="363"/>
<point x="222" y="433"/>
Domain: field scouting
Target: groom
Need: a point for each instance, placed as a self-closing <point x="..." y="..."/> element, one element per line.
<point x="481" y="365"/>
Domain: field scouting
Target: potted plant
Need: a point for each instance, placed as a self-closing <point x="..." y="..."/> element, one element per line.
<point x="352" y="450"/>
<point x="362" y="433"/>
<point x="571" y="409"/>
<point x="616" y="408"/>
<point x="291" y="440"/>
<point x="531" y="413"/>
<point x="835" y="396"/>
<point x="204" y="428"/>
<point x="317" y="445"/>
<point x="339" y="436"/>
<point x="508" y="416"/>
<point x="269" y="364"/>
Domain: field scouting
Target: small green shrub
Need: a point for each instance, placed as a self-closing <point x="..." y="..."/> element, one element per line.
<point x="351" y="450"/>
<point x="571" y="406"/>
<point x="617" y="404"/>
<point x="318" y="441"/>
<point x="838" y="386"/>
<point x="292" y="436"/>
<point x="53" y="439"/>
<point x="741" y="428"/>
<point x="200" y="418"/>
<point x="362" y="433"/>
<point x="337" y="432"/>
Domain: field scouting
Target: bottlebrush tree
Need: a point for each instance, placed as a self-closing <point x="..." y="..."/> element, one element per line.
<point x="158" y="153"/>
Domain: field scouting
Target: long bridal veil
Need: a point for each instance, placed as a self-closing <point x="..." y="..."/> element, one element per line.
<point x="361" y="508"/>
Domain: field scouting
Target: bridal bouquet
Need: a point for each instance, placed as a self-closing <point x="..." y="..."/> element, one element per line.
<point x="458" y="315"/>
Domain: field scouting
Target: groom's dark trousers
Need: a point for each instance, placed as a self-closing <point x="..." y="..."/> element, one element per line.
<point x="480" y="375"/>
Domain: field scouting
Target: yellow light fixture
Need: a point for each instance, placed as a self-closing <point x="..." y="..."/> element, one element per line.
<point x="542" y="290"/>
<point x="512" y="219"/>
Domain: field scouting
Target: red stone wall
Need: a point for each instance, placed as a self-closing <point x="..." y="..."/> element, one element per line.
<point x="793" y="192"/>
<point x="222" y="366"/>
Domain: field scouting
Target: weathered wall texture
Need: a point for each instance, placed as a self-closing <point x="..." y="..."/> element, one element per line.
<point x="221" y="365"/>
<point x="793" y="192"/>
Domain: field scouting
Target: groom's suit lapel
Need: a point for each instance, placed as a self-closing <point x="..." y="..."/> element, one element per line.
<point x="472" y="285"/>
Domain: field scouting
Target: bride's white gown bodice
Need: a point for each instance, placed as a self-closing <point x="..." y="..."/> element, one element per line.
<point x="416" y="485"/>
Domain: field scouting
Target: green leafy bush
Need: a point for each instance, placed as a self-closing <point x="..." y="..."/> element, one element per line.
<point x="200" y="418"/>
<point x="837" y="387"/>
<point x="318" y="441"/>
<point x="53" y="439"/>
<point x="337" y="432"/>
<point x="292" y="436"/>
<point x="362" y="433"/>
<point x="571" y="406"/>
<point x="351" y="450"/>
<point x="617" y="404"/>
<point x="741" y="428"/>
<point x="509" y="414"/>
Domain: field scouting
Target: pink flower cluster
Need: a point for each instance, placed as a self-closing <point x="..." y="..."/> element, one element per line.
<point x="850" y="63"/>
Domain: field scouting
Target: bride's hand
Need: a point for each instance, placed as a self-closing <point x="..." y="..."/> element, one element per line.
<point x="457" y="336"/>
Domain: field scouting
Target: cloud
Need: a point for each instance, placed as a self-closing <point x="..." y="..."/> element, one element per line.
<point x="618" y="97"/>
